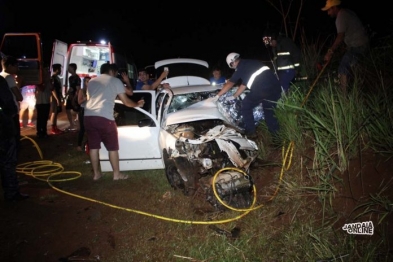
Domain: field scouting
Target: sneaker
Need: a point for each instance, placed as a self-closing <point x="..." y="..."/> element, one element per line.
<point x="30" y="125"/>
<point x="70" y="128"/>
<point x="56" y="131"/>
<point x="21" y="125"/>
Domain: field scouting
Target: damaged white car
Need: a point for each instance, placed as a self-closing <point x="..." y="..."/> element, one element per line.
<point x="185" y="133"/>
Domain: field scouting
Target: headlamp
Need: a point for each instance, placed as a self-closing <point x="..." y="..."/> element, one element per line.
<point x="267" y="40"/>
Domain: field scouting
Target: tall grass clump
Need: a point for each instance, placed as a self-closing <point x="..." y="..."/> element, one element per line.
<point x="377" y="75"/>
<point x="378" y="123"/>
<point x="287" y="110"/>
<point x="332" y="120"/>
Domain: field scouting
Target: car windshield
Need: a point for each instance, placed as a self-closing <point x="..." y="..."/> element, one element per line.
<point x="183" y="101"/>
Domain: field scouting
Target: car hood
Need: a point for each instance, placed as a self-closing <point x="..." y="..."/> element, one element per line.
<point x="199" y="111"/>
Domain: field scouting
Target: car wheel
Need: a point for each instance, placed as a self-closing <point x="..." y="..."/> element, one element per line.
<point x="174" y="177"/>
<point x="171" y="173"/>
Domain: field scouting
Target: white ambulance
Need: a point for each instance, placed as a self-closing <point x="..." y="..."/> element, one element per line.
<point x="88" y="56"/>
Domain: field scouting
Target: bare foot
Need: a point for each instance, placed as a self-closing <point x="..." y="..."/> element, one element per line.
<point x="120" y="177"/>
<point x="97" y="177"/>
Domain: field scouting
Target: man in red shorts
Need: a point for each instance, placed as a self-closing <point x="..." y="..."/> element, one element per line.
<point x="100" y="125"/>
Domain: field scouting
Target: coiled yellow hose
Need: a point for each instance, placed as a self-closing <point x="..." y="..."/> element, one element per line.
<point x="49" y="169"/>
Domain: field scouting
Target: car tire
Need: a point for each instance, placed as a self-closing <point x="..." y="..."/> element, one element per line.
<point x="171" y="172"/>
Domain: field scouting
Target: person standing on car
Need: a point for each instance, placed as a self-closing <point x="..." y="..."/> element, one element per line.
<point x="351" y="31"/>
<point x="286" y="56"/>
<point x="264" y="88"/>
<point x="8" y="144"/>
<point x="99" y="121"/>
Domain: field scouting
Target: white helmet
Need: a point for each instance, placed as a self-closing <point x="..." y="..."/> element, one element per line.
<point x="232" y="57"/>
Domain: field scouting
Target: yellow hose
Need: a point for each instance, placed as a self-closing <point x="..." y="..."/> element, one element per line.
<point x="49" y="169"/>
<point x="46" y="168"/>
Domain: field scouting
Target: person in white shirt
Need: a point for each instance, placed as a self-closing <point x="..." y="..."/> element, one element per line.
<point x="99" y="122"/>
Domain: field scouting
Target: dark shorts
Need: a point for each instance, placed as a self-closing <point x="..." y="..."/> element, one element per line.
<point x="100" y="129"/>
<point x="54" y="107"/>
<point x="68" y="105"/>
<point x="351" y="58"/>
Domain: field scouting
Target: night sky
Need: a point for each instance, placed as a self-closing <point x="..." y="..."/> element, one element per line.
<point x="155" y="31"/>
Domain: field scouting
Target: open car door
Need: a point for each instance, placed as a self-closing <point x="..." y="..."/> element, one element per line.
<point x="27" y="48"/>
<point x="138" y="133"/>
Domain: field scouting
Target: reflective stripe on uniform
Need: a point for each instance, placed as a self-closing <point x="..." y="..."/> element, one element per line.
<point x="285" y="67"/>
<point x="283" y="53"/>
<point x="255" y="74"/>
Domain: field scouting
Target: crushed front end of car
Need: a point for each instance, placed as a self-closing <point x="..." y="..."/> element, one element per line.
<point x="209" y="153"/>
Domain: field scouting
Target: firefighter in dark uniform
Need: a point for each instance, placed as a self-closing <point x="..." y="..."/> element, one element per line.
<point x="264" y="88"/>
<point x="286" y="57"/>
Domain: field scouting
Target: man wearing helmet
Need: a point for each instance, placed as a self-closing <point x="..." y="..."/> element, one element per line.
<point x="286" y="56"/>
<point x="264" y="88"/>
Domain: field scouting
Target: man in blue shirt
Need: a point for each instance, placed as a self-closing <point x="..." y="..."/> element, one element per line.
<point x="217" y="78"/>
<point x="264" y="88"/>
<point x="145" y="83"/>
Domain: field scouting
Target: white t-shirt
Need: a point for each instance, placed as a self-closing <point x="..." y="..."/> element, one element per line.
<point x="349" y="23"/>
<point x="43" y="97"/>
<point x="102" y="92"/>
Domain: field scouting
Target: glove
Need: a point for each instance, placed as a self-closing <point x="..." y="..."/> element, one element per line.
<point x="230" y="98"/>
<point x="215" y="98"/>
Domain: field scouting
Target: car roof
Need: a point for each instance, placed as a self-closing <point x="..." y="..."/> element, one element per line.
<point x="180" y="61"/>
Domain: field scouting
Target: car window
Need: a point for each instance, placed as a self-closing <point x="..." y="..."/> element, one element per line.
<point x="183" y="101"/>
<point x="128" y="116"/>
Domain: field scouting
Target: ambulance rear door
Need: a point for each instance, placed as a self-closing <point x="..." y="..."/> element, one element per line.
<point x="59" y="56"/>
<point x="27" y="48"/>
